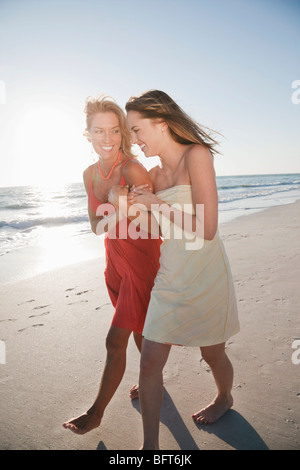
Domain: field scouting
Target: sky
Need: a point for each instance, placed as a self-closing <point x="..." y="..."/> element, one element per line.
<point x="230" y="64"/>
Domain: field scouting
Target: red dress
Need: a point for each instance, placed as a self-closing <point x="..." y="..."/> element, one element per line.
<point x="131" y="267"/>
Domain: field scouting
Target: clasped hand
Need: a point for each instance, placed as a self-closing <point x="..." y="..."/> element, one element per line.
<point x="142" y="195"/>
<point x="116" y="192"/>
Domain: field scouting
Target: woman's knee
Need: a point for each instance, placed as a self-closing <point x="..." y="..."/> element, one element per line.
<point x="213" y="354"/>
<point x="153" y="357"/>
<point x="148" y="365"/>
<point x="117" y="341"/>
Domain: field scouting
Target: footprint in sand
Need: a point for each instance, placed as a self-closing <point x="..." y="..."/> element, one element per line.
<point x="39" y="314"/>
<point x="101" y="306"/>
<point x="77" y="293"/>
<point x="37" y="324"/>
<point x="40" y="306"/>
<point x="83" y="292"/>
<point x="27" y="302"/>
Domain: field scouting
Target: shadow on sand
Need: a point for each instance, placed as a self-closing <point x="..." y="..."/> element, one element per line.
<point x="171" y="418"/>
<point x="236" y="431"/>
<point x="101" y="446"/>
<point x="232" y="428"/>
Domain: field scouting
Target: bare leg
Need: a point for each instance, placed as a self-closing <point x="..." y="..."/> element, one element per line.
<point x="222" y="370"/>
<point x="116" y="345"/>
<point x="154" y="356"/>
<point x="134" y="391"/>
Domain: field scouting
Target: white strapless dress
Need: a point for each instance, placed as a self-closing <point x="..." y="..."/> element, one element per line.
<point x="193" y="301"/>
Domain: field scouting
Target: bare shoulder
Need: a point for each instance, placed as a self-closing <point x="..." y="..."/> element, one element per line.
<point x="132" y="167"/>
<point x="199" y="158"/>
<point x="88" y="171"/>
<point x="135" y="173"/>
<point x="132" y="163"/>
<point x="198" y="152"/>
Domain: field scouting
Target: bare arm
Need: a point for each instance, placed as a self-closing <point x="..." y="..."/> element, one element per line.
<point x="204" y="194"/>
<point x="201" y="171"/>
<point x="135" y="174"/>
<point x="204" y="189"/>
<point x="99" y="223"/>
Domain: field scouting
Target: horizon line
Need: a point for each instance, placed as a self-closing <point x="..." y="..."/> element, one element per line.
<point x="81" y="181"/>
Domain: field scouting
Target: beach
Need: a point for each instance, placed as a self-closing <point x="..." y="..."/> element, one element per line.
<point x="54" y="324"/>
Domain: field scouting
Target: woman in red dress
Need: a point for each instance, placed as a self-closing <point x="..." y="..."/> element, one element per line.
<point x="131" y="264"/>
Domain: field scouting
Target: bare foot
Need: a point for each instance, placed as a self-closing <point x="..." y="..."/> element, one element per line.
<point x="214" y="411"/>
<point x="84" y="423"/>
<point x="134" y="392"/>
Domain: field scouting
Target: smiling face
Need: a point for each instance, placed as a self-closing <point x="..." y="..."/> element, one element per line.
<point x="106" y="134"/>
<point x="146" y="133"/>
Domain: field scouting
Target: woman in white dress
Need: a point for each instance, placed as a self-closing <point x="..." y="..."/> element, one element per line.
<point x="193" y="300"/>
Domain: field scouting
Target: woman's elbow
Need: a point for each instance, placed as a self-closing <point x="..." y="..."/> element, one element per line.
<point x="210" y="232"/>
<point x="93" y="225"/>
<point x="209" y="237"/>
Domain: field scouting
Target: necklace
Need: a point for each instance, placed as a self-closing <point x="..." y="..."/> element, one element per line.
<point x="112" y="168"/>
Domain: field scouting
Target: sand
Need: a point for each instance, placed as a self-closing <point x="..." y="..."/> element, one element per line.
<point x="54" y="326"/>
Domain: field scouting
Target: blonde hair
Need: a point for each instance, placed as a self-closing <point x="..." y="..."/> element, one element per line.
<point x="156" y="104"/>
<point x="105" y="104"/>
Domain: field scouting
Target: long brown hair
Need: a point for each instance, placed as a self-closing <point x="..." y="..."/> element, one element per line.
<point x="104" y="104"/>
<point x="156" y="104"/>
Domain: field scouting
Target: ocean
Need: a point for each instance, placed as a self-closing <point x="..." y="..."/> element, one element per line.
<point x="51" y="223"/>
